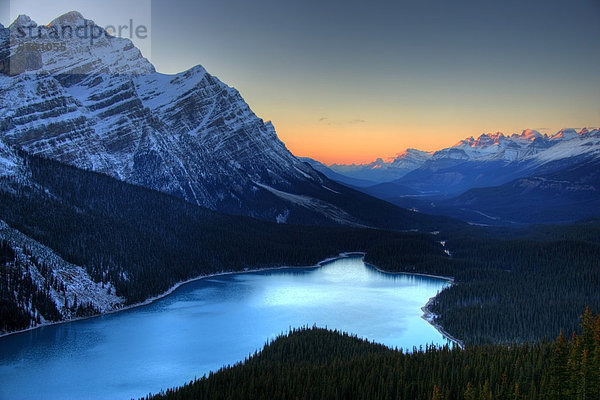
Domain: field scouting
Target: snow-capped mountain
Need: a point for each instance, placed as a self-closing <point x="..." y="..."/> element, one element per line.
<point x="496" y="147"/>
<point x="494" y="159"/>
<point x="384" y="170"/>
<point x="491" y="159"/>
<point x="102" y="106"/>
<point x="529" y="145"/>
<point x="488" y="180"/>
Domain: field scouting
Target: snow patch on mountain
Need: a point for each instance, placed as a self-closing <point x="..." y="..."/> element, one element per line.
<point x="79" y="287"/>
<point x="10" y="163"/>
<point x="586" y="144"/>
<point x="335" y="214"/>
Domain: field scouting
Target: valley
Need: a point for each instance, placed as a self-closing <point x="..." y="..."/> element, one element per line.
<point x="487" y="180"/>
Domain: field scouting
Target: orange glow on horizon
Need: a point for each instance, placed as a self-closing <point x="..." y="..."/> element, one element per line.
<point x="359" y="145"/>
<point x="360" y="133"/>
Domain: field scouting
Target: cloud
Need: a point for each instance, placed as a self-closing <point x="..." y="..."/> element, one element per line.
<point x="357" y="121"/>
<point x="326" y="120"/>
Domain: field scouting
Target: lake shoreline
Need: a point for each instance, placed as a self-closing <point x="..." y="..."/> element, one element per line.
<point x="445" y="278"/>
<point x="265" y="269"/>
<point x="155" y="298"/>
<point x="428" y="315"/>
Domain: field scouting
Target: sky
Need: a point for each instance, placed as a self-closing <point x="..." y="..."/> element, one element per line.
<point x="350" y="81"/>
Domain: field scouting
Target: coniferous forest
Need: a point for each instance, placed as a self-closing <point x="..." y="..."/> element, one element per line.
<point x="510" y="285"/>
<point x="508" y="289"/>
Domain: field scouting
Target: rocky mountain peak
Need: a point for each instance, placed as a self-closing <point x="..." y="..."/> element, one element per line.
<point x="71" y="18"/>
<point x="22" y="21"/>
<point x="529" y="134"/>
<point x="100" y="105"/>
<point x="78" y="47"/>
<point x="588" y="132"/>
<point x="565" y="134"/>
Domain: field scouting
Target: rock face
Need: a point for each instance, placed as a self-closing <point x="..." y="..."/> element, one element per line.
<point x="102" y="106"/>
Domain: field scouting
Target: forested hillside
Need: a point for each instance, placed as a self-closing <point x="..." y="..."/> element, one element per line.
<point x="320" y="364"/>
<point x="142" y="242"/>
<point x="520" y="289"/>
<point x="511" y="285"/>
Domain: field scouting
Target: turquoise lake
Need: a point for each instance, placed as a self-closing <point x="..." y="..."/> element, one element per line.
<point x="209" y="323"/>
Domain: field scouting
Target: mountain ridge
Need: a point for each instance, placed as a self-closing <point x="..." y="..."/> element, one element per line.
<point x="488" y="146"/>
<point x="104" y="108"/>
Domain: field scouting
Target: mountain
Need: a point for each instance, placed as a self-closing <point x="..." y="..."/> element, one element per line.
<point x="379" y="190"/>
<point x="490" y="147"/>
<point x="383" y="171"/>
<point x="101" y="106"/>
<point x="331" y="174"/>
<point x="489" y="179"/>
<point x="561" y="191"/>
<point x="491" y="159"/>
<point x="76" y="243"/>
<point x="494" y="159"/>
<point x="39" y="286"/>
<point x="566" y="195"/>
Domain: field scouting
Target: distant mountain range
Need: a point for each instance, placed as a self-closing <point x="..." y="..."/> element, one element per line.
<point x="494" y="178"/>
<point x="528" y="146"/>
<point x="384" y="171"/>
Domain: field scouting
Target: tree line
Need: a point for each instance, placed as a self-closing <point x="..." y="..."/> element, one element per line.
<point x="314" y="363"/>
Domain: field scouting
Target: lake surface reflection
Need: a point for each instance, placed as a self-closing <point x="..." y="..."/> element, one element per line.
<point x="209" y="323"/>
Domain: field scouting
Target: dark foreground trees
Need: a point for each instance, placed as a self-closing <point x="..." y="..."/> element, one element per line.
<point x="319" y="364"/>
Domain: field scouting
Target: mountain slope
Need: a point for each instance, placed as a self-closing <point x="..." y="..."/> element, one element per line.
<point x="341" y="178"/>
<point x="526" y="178"/>
<point x="563" y="196"/>
<point x="104" y="108"/>
<point x="86" y="239"/>
<point x="562" y="191"/>
<point x="38" y="286"/>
